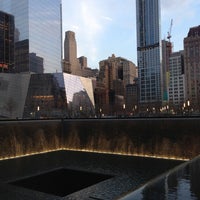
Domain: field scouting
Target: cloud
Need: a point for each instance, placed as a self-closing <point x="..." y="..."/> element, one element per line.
<point x="179" y="9"/>
<point x="107" y="18"/>
<point x="102" y="26"/>
<point x="89" y="20"/>
<point x="75" y="27"/>
<point x="89" y="30"/>
<point x="99" y="25"/>
<point x="171" y="5"/>
<point x="83" y="17"/>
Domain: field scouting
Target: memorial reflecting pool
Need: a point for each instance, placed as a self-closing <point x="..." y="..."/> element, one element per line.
<point x="111" y="176"/>
<point x="118" y="157"/>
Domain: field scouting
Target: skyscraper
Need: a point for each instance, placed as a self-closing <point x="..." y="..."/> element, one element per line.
<point x="176" y="80"/>
<point x="115" y="74"/>
<point x="71" y="64"/>
<point x="37" y="31"/>
<point x="192" y="66"/>
<point x="7" y="28"/>
<point x="149" y="51"/>
<point x="166" y="52"/>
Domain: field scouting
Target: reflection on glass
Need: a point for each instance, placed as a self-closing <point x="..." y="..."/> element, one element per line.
<point x="37" y="30"/>
<point x="59" y="95"/>
<point x="45" y="98"/>
<point x="79" y="94"/>
<point x="7" y="27"/>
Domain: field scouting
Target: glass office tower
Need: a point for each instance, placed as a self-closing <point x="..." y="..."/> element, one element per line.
<point x="149" y="51"/>
<point x="7" y="27"/>
<point x="37" y="32"/>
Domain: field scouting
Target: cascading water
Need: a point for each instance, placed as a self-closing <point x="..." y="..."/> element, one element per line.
<point x="22" y="138"/>
<point x="164" y="138"/>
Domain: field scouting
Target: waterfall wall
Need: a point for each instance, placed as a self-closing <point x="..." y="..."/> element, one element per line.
<point x="177" y="138"/>
<point x="19" y="138"/>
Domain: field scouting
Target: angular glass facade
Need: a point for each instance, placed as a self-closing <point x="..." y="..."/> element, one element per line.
<point x="13" y="92"/>
<point x="79" y="95"/>
<point x="149" y="50"/>
<point x="38" y="32"/>
<point x="59" y="95"/>
<point x="47" y="95"/>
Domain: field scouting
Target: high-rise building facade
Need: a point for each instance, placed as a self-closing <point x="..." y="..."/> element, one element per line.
<point x="117" y="68"/>
<point x="71" y="64"/>
<point x="192" y="66"/>
<point x="7" y="29"/>
<point x="149" y="51"/>
<point x="115" y="74"/>
<point x="166" y="52"/>
<point x="38" y="31"/>
<point x="176" y="80"/>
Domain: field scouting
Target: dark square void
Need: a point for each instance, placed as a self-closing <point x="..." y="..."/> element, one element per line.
<point x="61" y="182"/>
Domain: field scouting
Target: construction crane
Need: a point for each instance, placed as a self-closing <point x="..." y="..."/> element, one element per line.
<point x="170" y="30"/>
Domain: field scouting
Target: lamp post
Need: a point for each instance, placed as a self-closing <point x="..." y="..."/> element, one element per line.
<point x="100" y="111"/>
<point x="38" y="111"/>
<point x="188" y="103"/>
<point x="80" y="108"/>
<point x="167" y="108"/>
<point x="188" y="106"/>
<point x="124" y="108"/>
<point x="183" y="108"/>
<point x="135" y="109"/>
<point x="154" y="110"/>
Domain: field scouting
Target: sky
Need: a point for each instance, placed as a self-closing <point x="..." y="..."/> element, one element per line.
<point x="106" y="27"/>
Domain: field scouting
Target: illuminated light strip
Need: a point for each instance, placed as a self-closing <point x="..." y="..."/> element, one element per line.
<point x="30" y="154"/>
<point x="100" y="152"/>
<point x="128" y="154"/>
